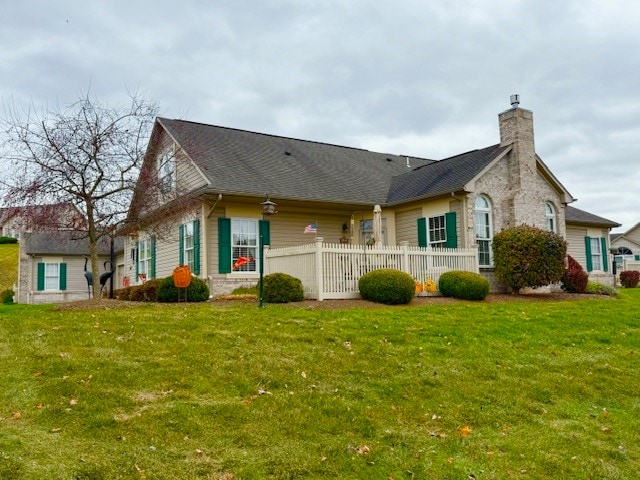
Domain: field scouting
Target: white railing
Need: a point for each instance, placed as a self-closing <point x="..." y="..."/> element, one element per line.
<point x="330" y="271"/>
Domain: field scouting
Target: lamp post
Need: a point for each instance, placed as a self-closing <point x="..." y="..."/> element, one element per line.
<point x="268" y="209"/>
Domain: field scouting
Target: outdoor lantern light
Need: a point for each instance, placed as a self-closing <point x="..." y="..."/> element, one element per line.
<point x="268" y="208"/>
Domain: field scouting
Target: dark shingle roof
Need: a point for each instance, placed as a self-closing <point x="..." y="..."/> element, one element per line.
<point x="575" y="215"/>
<point x="442" y="177"/>
<point x="249" y="163"/>
<point x="65" y="243"/>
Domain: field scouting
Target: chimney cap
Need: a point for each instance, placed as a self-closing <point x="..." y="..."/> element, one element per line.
<point x="515" y="100"/>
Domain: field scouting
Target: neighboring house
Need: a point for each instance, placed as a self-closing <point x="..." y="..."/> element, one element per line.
<point x="626" y="246"/>
<point x="226" y="174"/>
<point x="52" y="266"/>
<point x="50" y="217"/>
<point x="589" y="244"/>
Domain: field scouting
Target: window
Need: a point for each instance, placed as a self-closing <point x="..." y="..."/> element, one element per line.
<point x="550" y="213"/>
<point x="145" y="265"/>
<point x="166" y="172"/>
<point x="190" y="246"/>
<point x="244" y="243"/>
<point x="52" y="275"/>
<point x="437" y="231"/>
<point x="484" y="232"/>
<point x="596" y="254"/>
<point x="366" y="232"/>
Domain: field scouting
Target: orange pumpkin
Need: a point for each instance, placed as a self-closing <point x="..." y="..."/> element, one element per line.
<point x="182" y="276"/>
<point x="418" y="287"/>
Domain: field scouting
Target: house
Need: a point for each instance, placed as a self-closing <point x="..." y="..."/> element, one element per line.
<point x="52" y="266"/>
<point x="206" y="211"/>
<point x="626" y="247"/>
<point x="49" y="217"/>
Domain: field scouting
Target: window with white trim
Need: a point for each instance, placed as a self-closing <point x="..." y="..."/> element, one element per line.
<point x="167" y="172"/>
<point x="144" y="259"/>
<point x="244" y="244"/>
<point x="484" y="231"/>
<point x="550" y="213"/>
<point x="437" y="231"/>
<point x="52" y="276"/>
<point x="189" y="245"/>
<point x="596" y="253"/>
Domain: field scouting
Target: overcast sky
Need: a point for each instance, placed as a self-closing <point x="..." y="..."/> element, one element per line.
<point x="425" y="78"/>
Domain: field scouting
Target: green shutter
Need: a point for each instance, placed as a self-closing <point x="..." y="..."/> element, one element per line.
<point x="196" y="247"/>
<point x="181" y="248"/>
<point x="63" y="276"/>
<point x="153" y="257"/>
<point x="605" y="254"/>
<point x="452" y="231"/>
<point x="265" y="232"/>
<point x="587" y="249"/>
<point x="637" y="258"/>
<point x="422" y="232"/>
<point x="224" y="245"/>
<point x="40" y="276"/>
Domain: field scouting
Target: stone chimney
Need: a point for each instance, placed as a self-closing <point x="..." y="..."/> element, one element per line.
<point x="516" y="129"/>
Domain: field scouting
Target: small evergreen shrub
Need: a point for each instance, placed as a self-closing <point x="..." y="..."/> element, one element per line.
<point x="463" y="285"/>
<point x="629" y="278"/>
<point x="7" y="296"/>
<point x="388" y="286"/>
<point x="595" y="288"/>
<point x="574" y="279"/>
<point x="282" y="288"/>
<point x="137" y="293"/>
<point x="7" y="240"/>
<point x="526" y="256"/>
<point x="197" y="291"/>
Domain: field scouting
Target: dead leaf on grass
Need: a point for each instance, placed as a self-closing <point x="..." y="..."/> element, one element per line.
<point x="465" y="431"/>
<point x="16" y="415"/>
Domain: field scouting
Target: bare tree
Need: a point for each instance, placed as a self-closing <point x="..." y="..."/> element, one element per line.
<point x="87" y="154"/>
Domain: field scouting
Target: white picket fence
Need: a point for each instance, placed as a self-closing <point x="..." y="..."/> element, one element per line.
<point x="332" y="271"/>
<point x="631" y="265"/>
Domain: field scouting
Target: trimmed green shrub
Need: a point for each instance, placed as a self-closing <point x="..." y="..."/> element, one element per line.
<point x="595" y="288"/>
<point x="7" y="240"/>
<point x="463" y="285"/>
<point x="282" y="288"/>
<point x="527" y="256"/>
<point x="388" y="286"/>
<point x="7" y="296"/>
<point x="575" y="278"/>
<point x="197" y="291"/>
<point x="629" y="278"/>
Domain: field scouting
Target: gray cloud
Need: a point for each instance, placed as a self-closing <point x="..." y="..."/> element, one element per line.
<point x="424" y="78"/>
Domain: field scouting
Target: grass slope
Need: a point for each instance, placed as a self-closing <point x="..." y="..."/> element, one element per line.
<point x="8" y="266"/>
<point x="472" y="390"/>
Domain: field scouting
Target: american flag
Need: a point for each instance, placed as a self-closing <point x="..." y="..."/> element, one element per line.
<point x="311" y="228"/>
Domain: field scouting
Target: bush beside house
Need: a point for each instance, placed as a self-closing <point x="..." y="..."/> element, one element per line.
<point x="388" y="286"/>
<point x="463" y="285"/>
<point x="526" y="256"/>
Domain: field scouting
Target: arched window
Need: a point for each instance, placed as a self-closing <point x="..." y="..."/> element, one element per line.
<point x="550" y="212"/>
<point x="484" y="230"/>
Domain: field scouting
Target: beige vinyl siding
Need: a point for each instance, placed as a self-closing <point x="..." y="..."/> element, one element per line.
<point x="76" y="281"/>
<point x="187" y="175"/>
<point x="167" y="252"/>
<point x="288" y="228"/>
<point x="575" y="244"/>
<point x="406" y="226"/>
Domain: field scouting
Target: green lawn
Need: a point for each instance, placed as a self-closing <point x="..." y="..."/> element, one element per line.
<point x="472" y="390"/>
<point x="8" y="266"/>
